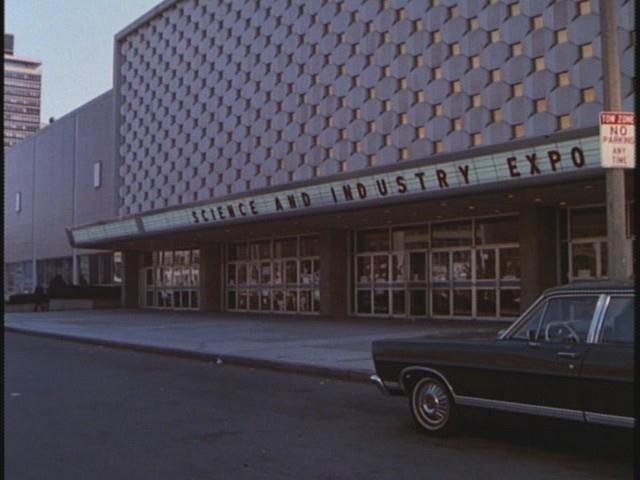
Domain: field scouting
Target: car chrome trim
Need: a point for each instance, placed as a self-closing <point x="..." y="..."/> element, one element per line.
<point x="377" y="381"/>
<point x="520" y="408"/>
<point x="612" y="420"/>
<point x="598" y="316"/>
<point x="424" y="369"/>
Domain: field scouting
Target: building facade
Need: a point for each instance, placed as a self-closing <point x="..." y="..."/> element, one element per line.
<point x="431" y="159"/>
<point x="22" y="87"/>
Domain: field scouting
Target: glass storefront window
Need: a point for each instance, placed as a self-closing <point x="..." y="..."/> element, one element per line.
<point x="296" y="276"/>
<point x="486" y="264"/>
<point x="418" y="302"/>
<point x="364" y="301"/>
<point x="461" y="265"/>
<point x="440" y="301"/>
<point x="364" y="269"/>
<point x="305" y="272"/>
<point x="397" y="268"/>
<point x="380" y="268"/>
<point x="509" y="263"/>
<point x="238" y="251"/>
<point x="380" y="302"/>
<point x="310" y="246"/>
<point x="253" y="300"/>
<point x="287" y="247"/>
<point x="278" y="277"/>
<point x="410" y="238"/>
<point x="588" y="222"/>
<point x="417" y="266"/>
<point x="278" y="301"/>
<point x="497" y="230"/>
<point x="373" y="241"/>
<point x="194" y="299"/>
<point x="462" y="302"/>
<point x="583" y="261"/>
<point x="175" y="285"/>
<point x="242" y="273"/>
<point x="265" y="273"/>
<point x="305" y="300"/>
<point x="254" y="274"/>
<point x="509" y="302"/>
<point x="451" y="234"/>
<point x="260" y="250"/>
<point x="292" y="301"/>
<point x="291" y="271"/>
<point x="265" y="300"/>
<point x="231" y="299"/>
<point x="486" y="302"/>
<point x="440" y="266"/>
<point x="398" y="297"/>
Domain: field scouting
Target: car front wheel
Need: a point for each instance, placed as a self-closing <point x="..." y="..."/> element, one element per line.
<point x="432" y="406"/>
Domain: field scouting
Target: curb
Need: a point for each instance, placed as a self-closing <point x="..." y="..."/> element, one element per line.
<point x="235" y="360"/>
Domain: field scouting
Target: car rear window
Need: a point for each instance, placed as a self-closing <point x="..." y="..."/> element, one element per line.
<point x="618" y="326"/>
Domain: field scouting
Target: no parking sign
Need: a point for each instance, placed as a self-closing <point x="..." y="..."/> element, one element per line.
<point x="617" y="139"/>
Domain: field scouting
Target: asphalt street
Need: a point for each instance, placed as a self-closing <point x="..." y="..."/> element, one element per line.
<point x="77" y="411"/>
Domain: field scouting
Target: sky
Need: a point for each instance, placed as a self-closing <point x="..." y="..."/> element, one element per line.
<point x="74" y="41"/>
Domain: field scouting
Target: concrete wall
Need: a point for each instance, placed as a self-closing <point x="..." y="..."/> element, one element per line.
<point x="54" y="171"/>
<point x="19" y="177"/>
<point x="54" y="163"/>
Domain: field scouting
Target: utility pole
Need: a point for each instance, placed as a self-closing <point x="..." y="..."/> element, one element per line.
<point x="618" y="247"/>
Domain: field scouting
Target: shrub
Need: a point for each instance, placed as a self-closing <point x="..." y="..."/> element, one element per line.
<point x="26" y="298"/>
<point x="89" y="292"/>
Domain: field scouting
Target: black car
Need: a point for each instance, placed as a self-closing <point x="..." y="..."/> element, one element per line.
<point x="569" y="356"/>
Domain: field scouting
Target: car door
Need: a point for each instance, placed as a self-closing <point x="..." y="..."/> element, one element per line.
<point x="607" y="373"/>
<point x="542" y="360"/>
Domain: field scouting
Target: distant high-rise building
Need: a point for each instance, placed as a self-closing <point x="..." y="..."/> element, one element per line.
<point x="22" y="84"/>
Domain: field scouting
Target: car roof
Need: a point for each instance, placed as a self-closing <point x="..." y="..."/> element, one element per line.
<point x="598" y="286"/>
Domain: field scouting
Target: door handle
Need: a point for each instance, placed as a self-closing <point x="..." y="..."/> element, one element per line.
<point x="572" y="355"/>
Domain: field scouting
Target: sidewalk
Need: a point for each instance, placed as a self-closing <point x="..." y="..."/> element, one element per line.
<point x="302" y="344"/>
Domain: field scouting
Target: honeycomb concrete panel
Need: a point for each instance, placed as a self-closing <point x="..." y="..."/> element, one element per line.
<point x="209" y="91"/>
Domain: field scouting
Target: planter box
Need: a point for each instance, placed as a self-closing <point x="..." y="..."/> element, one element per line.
<point x="21" y="307"/>
<point x="82" y="304"/>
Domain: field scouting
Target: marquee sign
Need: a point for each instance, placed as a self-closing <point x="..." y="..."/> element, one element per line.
<point x="417" y="182"/>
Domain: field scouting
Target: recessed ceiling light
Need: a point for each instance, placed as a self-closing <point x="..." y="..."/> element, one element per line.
<point x="510" y="195"/>
<point x="537" y="200"/>
<point x="562" y="204"/>
<point x="471" y="207"/>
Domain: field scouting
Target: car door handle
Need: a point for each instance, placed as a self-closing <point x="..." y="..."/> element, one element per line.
<point x="568" y="354"/>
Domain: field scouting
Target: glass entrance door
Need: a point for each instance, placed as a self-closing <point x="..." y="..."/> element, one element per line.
<point x="451" y="282"/>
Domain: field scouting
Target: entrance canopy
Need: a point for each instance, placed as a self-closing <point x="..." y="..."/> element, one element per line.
<point x="527" y="164"/>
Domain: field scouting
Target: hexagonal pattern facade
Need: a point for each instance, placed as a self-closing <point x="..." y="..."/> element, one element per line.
<point x="226" y="96"/>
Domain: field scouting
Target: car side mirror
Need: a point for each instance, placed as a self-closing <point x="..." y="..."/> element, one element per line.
<point x="532" y="335"/>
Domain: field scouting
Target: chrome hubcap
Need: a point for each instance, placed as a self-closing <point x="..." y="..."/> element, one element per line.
<point x="433" y="404"/>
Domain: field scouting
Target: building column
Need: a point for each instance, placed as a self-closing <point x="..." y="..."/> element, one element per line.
<point x="538" y="252"/>
<point x="130" y="294"/>
<point x="334" y="273"/>
<point x="211" y="278"/>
